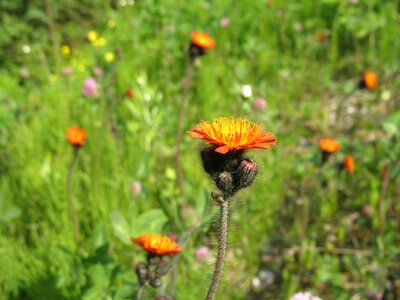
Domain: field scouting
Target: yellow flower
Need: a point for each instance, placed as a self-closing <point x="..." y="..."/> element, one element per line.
<point x="92" y="36"/>
<point x="100" y="41"/>
<point x="109" y="56"/>
<point x="52" y="78"/>
<point x="232" y="134"/>
<point x="111" y="23"/>
<point x="65" y="50"/>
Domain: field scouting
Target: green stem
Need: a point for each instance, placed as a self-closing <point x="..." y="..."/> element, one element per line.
<point x="72" y="210"/>
<point x="222" y="245"/>
<point x="179" y="137"/>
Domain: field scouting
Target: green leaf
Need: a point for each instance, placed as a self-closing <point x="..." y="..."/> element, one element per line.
<point x="151" y="221"/>
<point x="120" y="227"/>
<point x="100" y="236"/>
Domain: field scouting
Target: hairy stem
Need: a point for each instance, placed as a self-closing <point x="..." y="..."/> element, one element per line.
<point x="181" y="114"/>
<point x="139" y="293"/>
<point x="222" y="244"/>
<point x="72" y="211"/>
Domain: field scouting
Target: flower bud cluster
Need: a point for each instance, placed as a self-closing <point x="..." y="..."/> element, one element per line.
<point x="231" y="171"/>
<point x="152" y="271"/>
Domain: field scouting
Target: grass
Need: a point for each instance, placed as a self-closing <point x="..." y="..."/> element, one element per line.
<point x="307" y="227"/>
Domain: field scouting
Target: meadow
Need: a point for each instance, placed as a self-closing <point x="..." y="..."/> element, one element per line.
<point x="121" y="71"/>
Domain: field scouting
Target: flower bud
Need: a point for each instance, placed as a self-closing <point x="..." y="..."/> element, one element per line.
<point x="195" y="51"/>
<point x="162" y="269"/>
<point x="246" y="173"/>
<point x="164" y="298"/>
<point x="224" y="182"/>
<point x="141" y="272"/>
<point x="156" y="283"/>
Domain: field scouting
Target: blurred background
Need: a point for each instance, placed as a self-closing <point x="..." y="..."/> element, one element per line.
<point x="120" y="71"/>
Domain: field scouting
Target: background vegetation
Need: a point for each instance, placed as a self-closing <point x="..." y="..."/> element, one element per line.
<point x="301" y="226"/>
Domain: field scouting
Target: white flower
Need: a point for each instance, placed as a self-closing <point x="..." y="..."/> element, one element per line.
<point x="26" y="49"/>
<point x="247" y="91"/>
<point x="304" y="296"/>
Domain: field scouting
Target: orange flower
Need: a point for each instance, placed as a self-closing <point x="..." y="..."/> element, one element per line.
<point x="202" y="40"/>
<point x="76" y="136"/>
<point x="130" y="93"/>
<point x="329" y="145"/>
<point x="370" y="80"/>
<point x="232" y="134"/>
<point x="349" y="163"/>
<point x="157" y="244"/>
<point x="321" y="36"/>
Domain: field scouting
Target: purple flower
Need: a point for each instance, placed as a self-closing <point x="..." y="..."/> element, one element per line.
<point x="67" y="71"/>
<point x="90" y="87"/>
<point x="24" y="73"/>
<point x="259" y="104"/>
<point x="98" y="71"/>
<point x="164" y="298"/>
<point x="203" y="254"/>
<point x="136" y="188"/>
<point x="375" y="295"/>
<point x="224" y="22"/>
<point x="304" y="296"/>
<point x="298" y="26"/>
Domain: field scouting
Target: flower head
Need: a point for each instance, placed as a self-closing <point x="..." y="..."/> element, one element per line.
<point x="224" y="22"/>
<point x="232" y="134"/>
<point x="24" y="73"/>
<point x="130" y="93"/>
<point x="304" y="296"/>
<point x="370" y="80"/>
<point x="109" y="56"/>
<point x="246" y="91"/>
<point x="65" y="49"/>
<point x="98" y="71"/>
<point x="202" y="40"/>
<point x="67" y="71"/>
<point x="136" y="188"/>
<point x="90" y="87"/>
<point x="203" y="254"/>
<point x="76" y="136"/>
<point x="321" y="36"/>
<point x="260" y="104"/>
<point x="157" y="244"/>
<point x="349" y="163"/>
<point x="92" y="36"/>
<point x="111" y="23"/>
<point x="329" y="145"/>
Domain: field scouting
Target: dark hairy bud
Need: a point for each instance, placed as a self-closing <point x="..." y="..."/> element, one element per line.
<point x="156" y="283"/>
<point x="141" y="272"/>
<point x="246" y="173"/>
<point x="224" y="182"/>
<point x="162" y="268"/>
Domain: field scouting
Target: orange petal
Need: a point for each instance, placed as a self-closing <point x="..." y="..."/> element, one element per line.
<point x="222" y="149"/>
